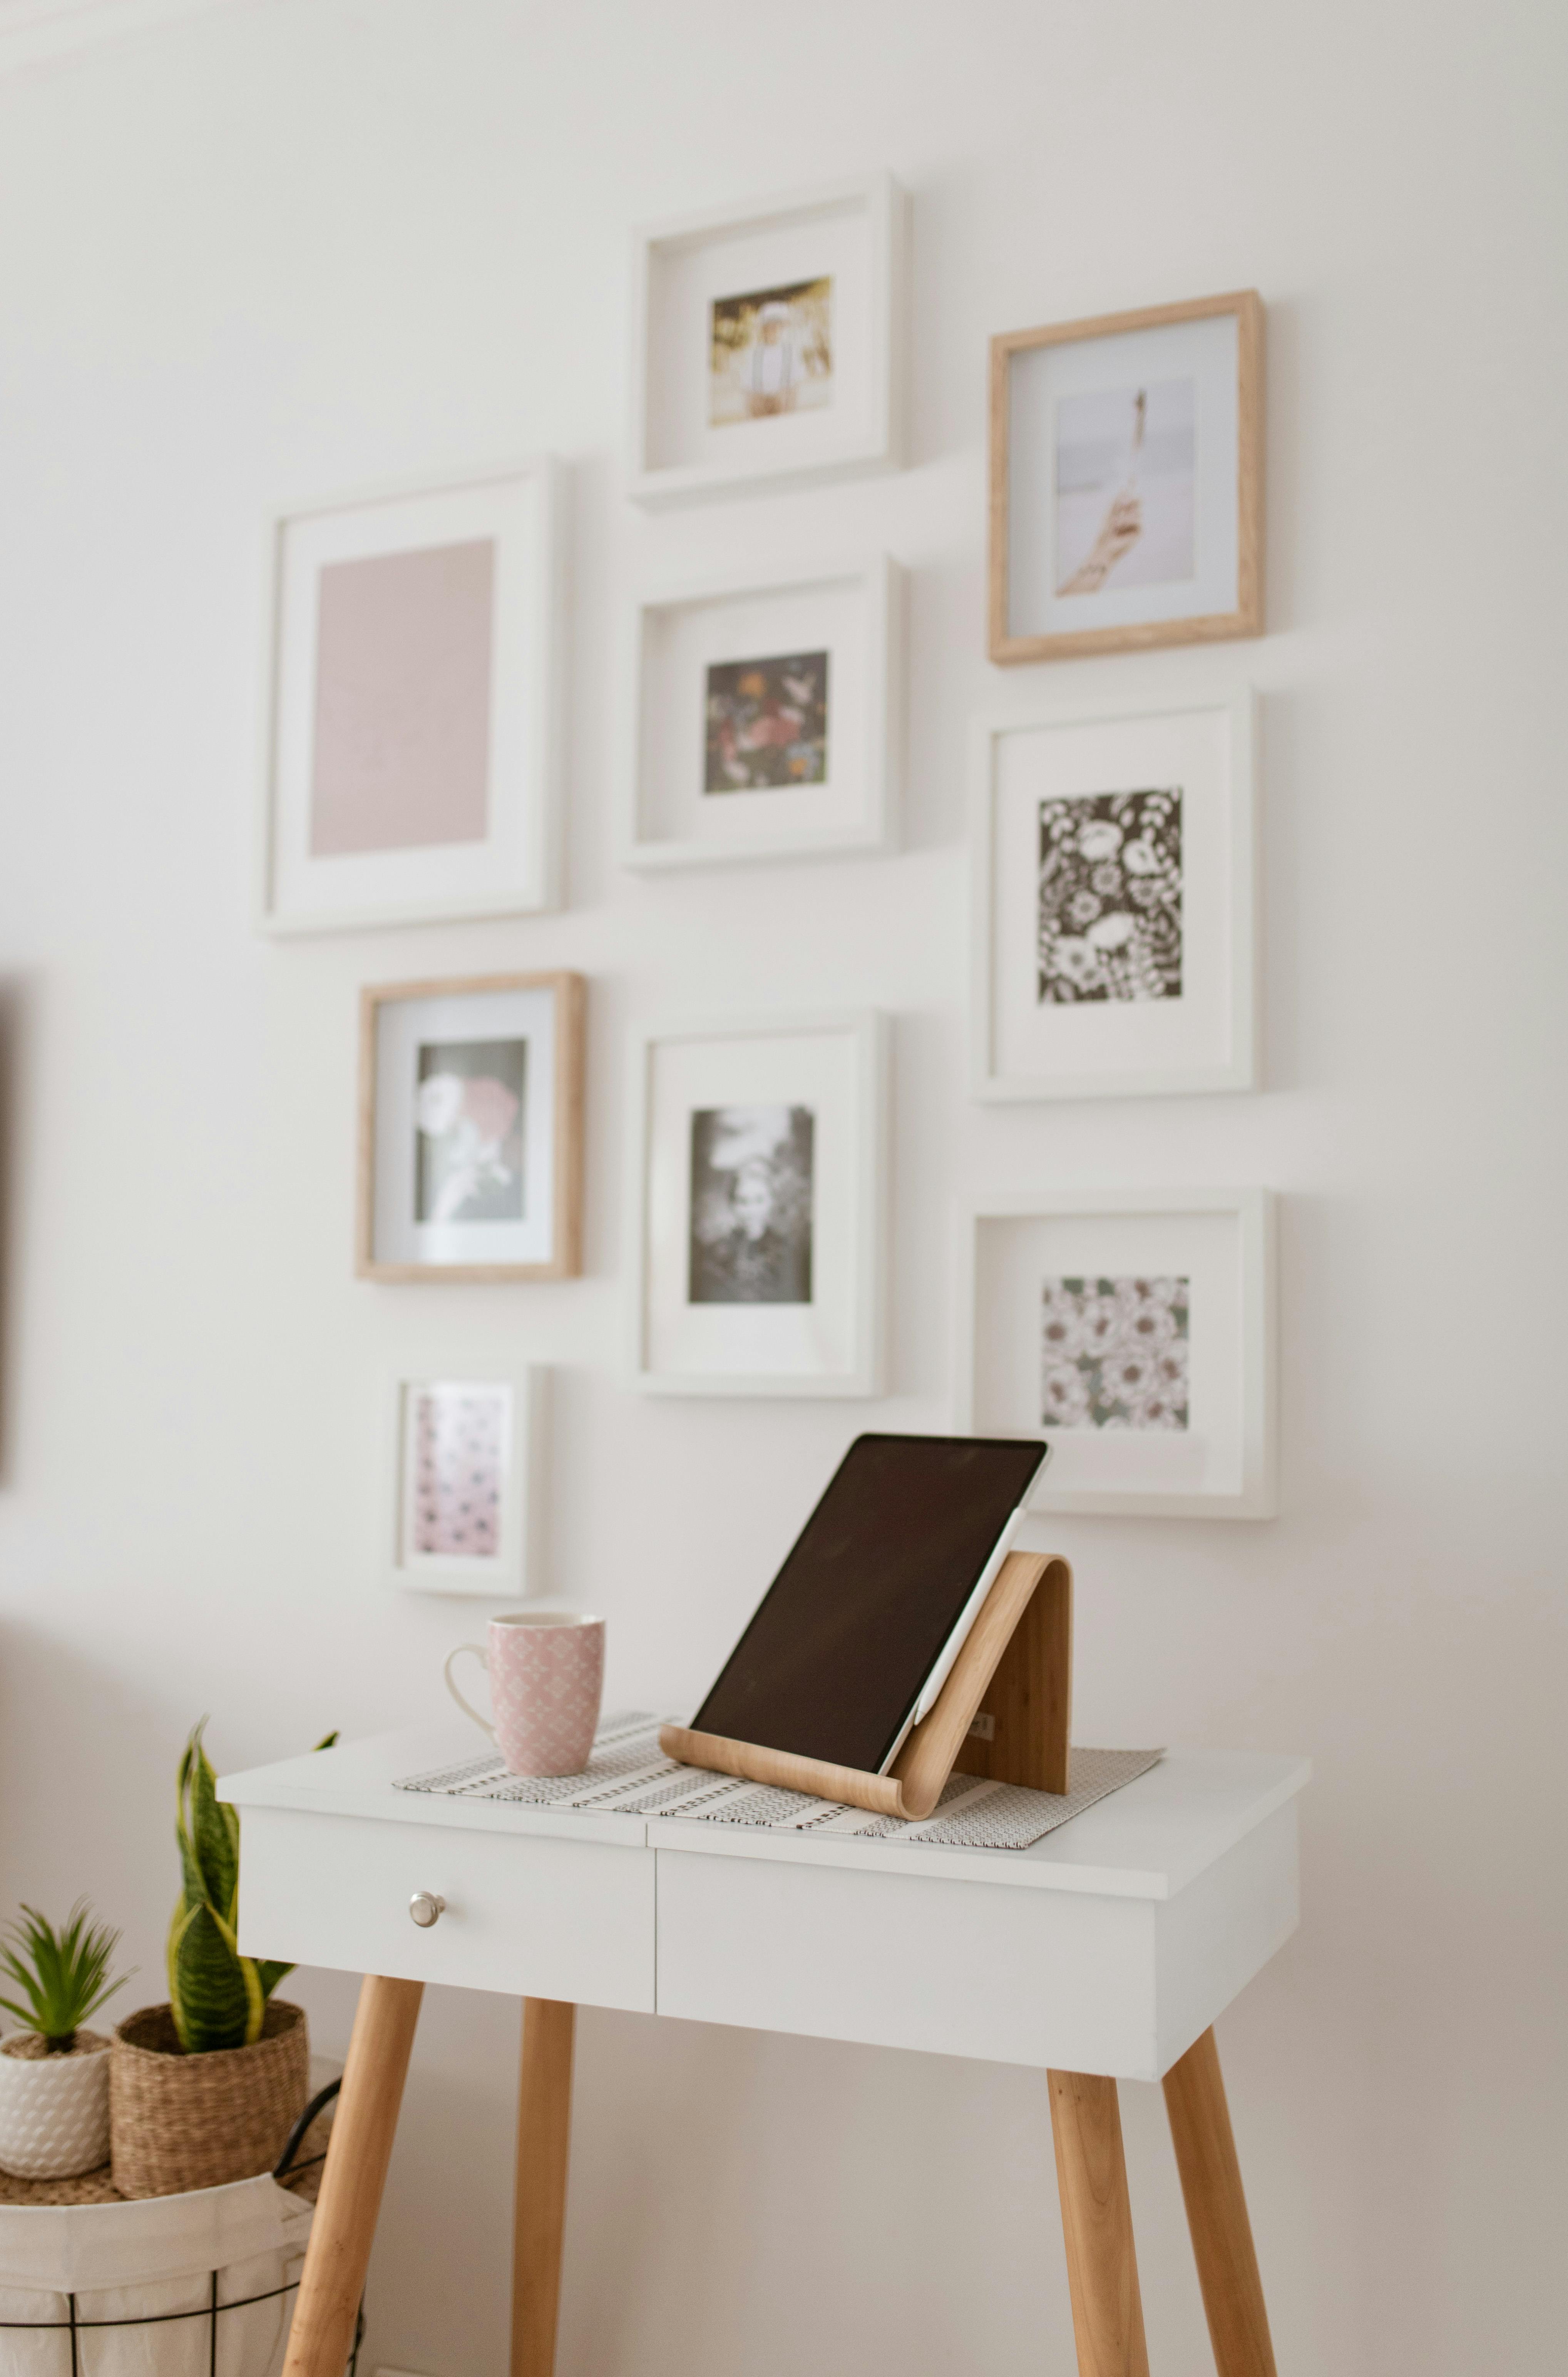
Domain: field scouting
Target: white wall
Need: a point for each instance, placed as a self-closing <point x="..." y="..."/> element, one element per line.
<point x="278" y="250"/>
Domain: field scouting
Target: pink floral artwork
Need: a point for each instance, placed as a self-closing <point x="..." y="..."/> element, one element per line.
<point x="1114" y="1353"/>
<point x="458" y="1449"/>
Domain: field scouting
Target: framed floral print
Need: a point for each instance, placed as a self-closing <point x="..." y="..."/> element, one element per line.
<point x="767" y="342"/>
<point x="412" y="699"/>
<point x="1113" y="866"/>
<point x="471" y="1129"/>
<point x="1134" y="1329"/>
<point x="761" y="1164"/>
<point x="466" y="1504"/>
<point x="765" y="717"/>
<point x="1127" y="487"/>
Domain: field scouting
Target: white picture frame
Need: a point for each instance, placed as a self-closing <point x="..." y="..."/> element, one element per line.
<point x="446" y="597"/>
<point x="844" y="623"/>
<point x="1017" y="1251"/>
<point x="833" y="259"/>
<point x="1175" y="784"/>
<point x="784" y="1119"/>
<point x="466" y="1465"/>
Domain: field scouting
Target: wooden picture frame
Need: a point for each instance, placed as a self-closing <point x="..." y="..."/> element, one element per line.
<point x="1224" y="588"/>
<point x="544" y="1244"/>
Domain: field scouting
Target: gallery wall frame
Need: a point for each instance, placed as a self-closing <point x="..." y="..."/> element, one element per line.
<point x="757" y="1205"/>
<point x="464" y="1478"/>
<point x="713" y="667"/>
<point x="1056" y="1289"/>
<point x="471" y="1114"/>
<point x="1127" y="481"/>
<point x="412" y="678"/>
<point x="1082" y="986"/>
<point x="767" y="342"/>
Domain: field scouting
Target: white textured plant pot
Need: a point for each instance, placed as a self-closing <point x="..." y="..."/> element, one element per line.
<point x="53" y="2109"/>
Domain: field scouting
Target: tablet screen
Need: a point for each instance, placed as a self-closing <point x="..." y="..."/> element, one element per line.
<point x="856" y="1620"/>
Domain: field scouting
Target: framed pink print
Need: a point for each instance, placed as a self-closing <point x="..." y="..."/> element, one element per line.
<point x="412" y="682"/>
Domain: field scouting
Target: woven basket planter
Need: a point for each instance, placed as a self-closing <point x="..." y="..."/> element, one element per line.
<point x="179" y="2121"/>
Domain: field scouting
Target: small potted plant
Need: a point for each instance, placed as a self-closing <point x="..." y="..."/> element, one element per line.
<point x="54" y="2072"/>
<point x="205" y="2089"/>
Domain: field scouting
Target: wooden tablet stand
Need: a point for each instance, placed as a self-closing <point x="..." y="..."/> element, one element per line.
<point x="1003" y="1713"/>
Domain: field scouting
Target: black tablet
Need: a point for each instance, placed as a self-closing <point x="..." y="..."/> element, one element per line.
<point x="872" y="1596"/>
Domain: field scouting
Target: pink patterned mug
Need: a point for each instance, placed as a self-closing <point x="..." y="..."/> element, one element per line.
<point x="546" y="1679"/>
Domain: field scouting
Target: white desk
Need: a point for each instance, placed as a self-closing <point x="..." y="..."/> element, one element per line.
<point x="1105" y="1951"/>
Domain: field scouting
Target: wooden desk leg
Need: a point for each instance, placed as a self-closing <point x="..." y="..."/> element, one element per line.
<point x="355" y="2171"/>
<point x="1216" y="2213"/>
<point x="1097" y="2220"/>
<point x="543" y="2136"/>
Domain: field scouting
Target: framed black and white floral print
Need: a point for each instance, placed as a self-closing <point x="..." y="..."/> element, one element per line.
<point x="1133" y="1329"/>
<point x="1113" y="868"/>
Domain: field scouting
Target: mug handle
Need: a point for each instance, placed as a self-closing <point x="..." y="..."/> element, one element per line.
<point x="482" y="1722"/>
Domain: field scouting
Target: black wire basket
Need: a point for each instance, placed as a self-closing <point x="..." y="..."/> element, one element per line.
<point x="74" y="2327"/>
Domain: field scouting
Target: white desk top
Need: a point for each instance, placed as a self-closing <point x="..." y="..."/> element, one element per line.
<point x="1148" y="1840"/>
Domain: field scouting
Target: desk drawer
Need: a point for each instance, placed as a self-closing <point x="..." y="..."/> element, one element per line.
<point x="955" y="1967"/>
<point x="527" y="1914"/>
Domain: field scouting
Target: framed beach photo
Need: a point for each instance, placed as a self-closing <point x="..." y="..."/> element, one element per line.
<point x="1127" y="481"/>
<point x="471" y="1129"/>
<point x="412" y="696"/>
<point x="767" y="341"/>
<point x="467" y="1478"/>
<point x="765" y="717"/>
<point x="757" y="1224"/>
<point x="1113" y="866"/>
<point x="1135" y="1330"/>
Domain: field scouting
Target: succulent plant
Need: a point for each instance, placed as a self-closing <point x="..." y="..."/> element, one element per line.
<point x="63" y="1974"/>
<point x="218" y="1998"/>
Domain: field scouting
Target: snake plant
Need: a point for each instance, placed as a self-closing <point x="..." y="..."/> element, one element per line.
<point x="217" y="1997"/>
<point x="63" y="1974"/>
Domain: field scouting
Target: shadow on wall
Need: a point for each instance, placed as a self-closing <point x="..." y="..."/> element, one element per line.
<point x="15" y="992"/>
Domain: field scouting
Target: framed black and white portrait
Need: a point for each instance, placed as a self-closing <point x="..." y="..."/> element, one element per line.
<point x="471" y="1129"/>
<point x="758" y="1221"/>
<point x="1134" y="1330"/>
<point x="765" y="717"/>
<point x="767" y="341"/>
<point x="1112" y="869"/>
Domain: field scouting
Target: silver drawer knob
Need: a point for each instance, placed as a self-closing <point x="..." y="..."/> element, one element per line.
<point x="424" y="1907"/>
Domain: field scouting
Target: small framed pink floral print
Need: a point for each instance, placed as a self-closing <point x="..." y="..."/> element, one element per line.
<point x="1134" y="1330"/>
<point x="468" y="1468"/>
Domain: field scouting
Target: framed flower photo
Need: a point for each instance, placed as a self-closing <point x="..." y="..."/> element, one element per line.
<point x="466" y="1503"/>
<point x="471" y="1129"/>
<point x="759" y="1179"/>
<point x="412" y="696"/>
<point x="765" y="717"/>
<point x="1113" y="864"/>
<point x="767" y="342"/>
<point x="1126" y="488"/>
<point x="1133" y="1329"/>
